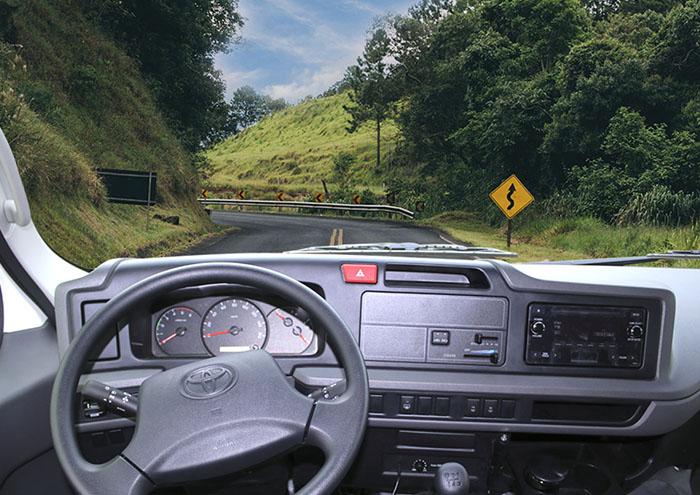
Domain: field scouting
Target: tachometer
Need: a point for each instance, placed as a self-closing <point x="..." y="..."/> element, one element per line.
<point x="290" y="331"/>
<point x="234" y="325"/>
<point x="176" y="331"/>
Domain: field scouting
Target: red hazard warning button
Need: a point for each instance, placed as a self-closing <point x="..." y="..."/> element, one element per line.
<point x="360" y="274"/>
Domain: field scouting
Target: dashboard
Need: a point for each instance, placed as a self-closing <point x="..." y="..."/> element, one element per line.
<point x="458" y="352"/>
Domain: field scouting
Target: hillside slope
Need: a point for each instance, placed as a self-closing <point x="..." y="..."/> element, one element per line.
<point x="292" y="151"/>
<point x="72" y="101"/>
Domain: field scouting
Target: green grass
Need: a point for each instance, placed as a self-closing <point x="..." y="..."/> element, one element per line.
<point x="292" y="151"/>
<point x="538" y="238"/>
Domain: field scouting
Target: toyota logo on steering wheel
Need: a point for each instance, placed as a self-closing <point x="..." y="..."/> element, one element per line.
<point x="208" y="381"/>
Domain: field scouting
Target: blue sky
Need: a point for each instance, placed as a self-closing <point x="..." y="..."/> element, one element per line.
<point x="294" y="48"/>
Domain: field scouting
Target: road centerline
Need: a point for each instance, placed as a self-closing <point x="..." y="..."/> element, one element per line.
<point x="335" y="232"/>
<point x="340" y="237"/>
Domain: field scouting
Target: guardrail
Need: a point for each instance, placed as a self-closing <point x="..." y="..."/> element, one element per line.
<point x="308" y="205"/>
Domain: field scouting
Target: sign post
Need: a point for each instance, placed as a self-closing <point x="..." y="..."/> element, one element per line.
<point x="148" y="203"/>
<point x="511" y="197"/>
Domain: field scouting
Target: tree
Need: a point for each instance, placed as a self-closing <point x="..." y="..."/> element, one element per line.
<point x="175" y="42"/>
<point x="273" y="105"/>
<point x="247" y="106"/>
<point x="342" y="162"/>
<point x="371" y="94"/>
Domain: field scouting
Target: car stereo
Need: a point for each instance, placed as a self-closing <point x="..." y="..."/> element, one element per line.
<point x="592" y="336"/>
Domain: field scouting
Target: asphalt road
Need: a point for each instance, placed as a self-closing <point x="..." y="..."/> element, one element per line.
<point x="267" y="232"/>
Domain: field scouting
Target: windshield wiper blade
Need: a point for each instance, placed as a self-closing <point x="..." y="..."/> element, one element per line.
<point x="633" y="260"/>
<point x="410" y="247"/>
<point x="690" y="254"/>
<point x="630" y="260"/>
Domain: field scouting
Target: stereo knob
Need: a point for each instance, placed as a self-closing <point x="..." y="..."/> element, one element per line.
<point x="635" y="331"/>
<point x="537" y="328"/>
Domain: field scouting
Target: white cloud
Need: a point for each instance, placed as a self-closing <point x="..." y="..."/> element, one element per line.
<point x="367" y="7"/>
<point x="317" y="45"/>
<point x="310" y="82"/>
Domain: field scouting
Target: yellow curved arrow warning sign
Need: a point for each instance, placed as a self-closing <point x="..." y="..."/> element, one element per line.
<point x="511" y="196"/>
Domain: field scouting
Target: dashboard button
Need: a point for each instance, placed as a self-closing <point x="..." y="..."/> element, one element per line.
<point x="490" y="408"/>
<point x="408" y="403"/>
<point x="473" y="407"/>
<point x="439" y="337"/>
<point x="425" y="405"/>
<point x="360" y="274"/>
<point x="376" y="403"/>
<point x="442" y="406"/>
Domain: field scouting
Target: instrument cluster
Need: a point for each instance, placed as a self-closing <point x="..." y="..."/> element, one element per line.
<point x="213" y="326"/>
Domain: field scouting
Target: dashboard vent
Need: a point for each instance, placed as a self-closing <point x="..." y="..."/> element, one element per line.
<point x="411" y="275"/>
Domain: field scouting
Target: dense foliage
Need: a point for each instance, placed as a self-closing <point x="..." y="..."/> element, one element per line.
<point x="594" y="103"/>
<point x="175" y="42"/>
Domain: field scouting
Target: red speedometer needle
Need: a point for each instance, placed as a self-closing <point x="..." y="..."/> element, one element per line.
<point x="283" y="318"/>
<point x="168" y="338"/>
<point x="302" y="338"/>
<point x="215" y="333"/>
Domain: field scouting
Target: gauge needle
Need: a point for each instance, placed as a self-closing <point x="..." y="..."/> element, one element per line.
<point x="168" y="338"/>
<point x="279" y="315"/>
<point x="216" y="333"/>
<point x="302" y="338"/>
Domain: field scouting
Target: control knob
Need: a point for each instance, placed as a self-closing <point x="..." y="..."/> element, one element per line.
<point x="537" y="328"/>
<point x="635" y="331"/>
<point x="420" y="466"/>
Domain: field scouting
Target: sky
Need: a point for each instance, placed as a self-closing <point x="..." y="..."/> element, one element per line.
<point x="294" y="48"/>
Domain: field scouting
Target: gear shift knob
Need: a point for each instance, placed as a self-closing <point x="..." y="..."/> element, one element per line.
<point x="452" y="479"/>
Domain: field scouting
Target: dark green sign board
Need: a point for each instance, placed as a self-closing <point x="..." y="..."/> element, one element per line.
<point x="129" y="187"/>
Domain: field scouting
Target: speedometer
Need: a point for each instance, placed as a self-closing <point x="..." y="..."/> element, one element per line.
<point x="233" y="325"/>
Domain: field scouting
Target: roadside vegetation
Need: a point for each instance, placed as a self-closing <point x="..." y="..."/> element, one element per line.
<point x="72" y="100"/>
<point x="293" y="150"/>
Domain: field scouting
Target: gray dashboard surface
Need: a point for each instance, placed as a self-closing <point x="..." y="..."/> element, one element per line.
<point x="672" y="392"/>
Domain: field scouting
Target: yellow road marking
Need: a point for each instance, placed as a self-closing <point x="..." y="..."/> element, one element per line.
<point x="335" y="232"/>
<point x="340" y="237"/>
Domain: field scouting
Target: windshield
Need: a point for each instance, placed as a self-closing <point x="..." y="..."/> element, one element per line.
<point x="554" y="129"/>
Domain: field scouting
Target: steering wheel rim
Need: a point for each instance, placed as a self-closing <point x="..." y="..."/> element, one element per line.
<point x="337" y="427"/>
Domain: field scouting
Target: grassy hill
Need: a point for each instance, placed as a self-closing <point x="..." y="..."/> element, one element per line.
<point x="292" y="151"/>
<point x="72" y="101"/>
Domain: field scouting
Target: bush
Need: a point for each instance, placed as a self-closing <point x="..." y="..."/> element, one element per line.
<point x="660" y="206"/>
<point x="601" y="189"/>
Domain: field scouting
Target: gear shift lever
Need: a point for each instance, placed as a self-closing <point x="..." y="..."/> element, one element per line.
<point x="452" y="479"/>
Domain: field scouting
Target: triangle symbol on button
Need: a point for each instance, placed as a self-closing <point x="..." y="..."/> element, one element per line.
<point x="360" y="273"/>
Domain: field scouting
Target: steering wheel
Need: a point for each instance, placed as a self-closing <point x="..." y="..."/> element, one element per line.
<point x="252" y="415"/>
